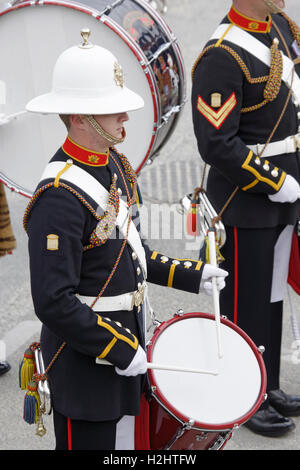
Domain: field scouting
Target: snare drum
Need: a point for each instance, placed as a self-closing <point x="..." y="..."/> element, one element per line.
<point x="36" y="33"/>
<point x="199" y="411"/>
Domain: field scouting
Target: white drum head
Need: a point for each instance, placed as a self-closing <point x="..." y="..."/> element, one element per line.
<point x="213" y="400"/>
<point x="32" y="38"/>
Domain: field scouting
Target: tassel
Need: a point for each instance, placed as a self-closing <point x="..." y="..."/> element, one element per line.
<point x="26" y="369"/>
<point x="139" y="199"/>
<point x="192" y="226"/>
<point x="31" y="403"/>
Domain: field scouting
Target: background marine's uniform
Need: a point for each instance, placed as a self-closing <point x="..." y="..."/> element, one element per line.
<point x="237" y="100"/>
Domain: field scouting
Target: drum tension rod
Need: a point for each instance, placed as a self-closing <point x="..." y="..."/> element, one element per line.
<point x="185" y="427"/>
<point x="7" y="118"/>
<point x="109" y="8"/>
<point x="162" y="49"/>
<point x="165" y="118"/>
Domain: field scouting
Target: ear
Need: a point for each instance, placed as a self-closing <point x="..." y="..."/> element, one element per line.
<point x="77" y="121"/>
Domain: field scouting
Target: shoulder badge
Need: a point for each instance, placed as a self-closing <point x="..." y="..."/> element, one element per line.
<point x="52" y="242"/>
<point x="216" y="118"/>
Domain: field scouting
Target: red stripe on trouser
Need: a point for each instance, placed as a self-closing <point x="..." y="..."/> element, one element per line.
<point x="69" y="434"/>
<point x="235" y="309"/>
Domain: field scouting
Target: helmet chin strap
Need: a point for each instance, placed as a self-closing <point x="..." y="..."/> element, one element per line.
<point x="273" y="7"/>
<point x="113" y="140"/>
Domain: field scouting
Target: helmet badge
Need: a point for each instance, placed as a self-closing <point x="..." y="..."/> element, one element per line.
<point x="118" y="75"/>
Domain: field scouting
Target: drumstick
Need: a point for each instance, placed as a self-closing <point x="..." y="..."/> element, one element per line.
<point x="213" y="262"/>
<point x="152" y="365"/>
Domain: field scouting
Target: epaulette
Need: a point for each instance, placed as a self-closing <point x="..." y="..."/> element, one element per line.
<point x="273" y="80"/>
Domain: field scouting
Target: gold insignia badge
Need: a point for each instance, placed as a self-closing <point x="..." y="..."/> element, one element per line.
<point x="217" y="118"/>
<point x="215" y="100"/>
<point x="52" y="242"/>
<point x="118" y="74"/>
<point x="93" y="158"/>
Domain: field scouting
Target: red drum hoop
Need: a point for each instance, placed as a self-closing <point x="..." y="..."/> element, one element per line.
<point x="137" y="35"/>
<point x="191" y="411"/>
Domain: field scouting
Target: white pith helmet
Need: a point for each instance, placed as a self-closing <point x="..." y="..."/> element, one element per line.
<point x="87" y="79"/>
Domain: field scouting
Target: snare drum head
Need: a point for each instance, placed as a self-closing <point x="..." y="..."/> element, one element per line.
<point x="213" y="401"/>
<point x="33" y="36"/>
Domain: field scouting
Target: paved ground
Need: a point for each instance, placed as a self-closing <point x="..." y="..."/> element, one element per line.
<point x="192" y="24"/>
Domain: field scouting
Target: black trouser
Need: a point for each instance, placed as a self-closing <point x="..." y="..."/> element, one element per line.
<point x="83" y="435"/>
<point x="249" y="257"/>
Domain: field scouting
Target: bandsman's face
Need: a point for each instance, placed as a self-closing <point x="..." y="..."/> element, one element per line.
<point x="113" y="123"/>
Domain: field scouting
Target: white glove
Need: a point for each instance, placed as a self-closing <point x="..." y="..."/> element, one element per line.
<point x="289" y="191"/>
<point x="210" y="271"/>
<point x="137" y="366"/>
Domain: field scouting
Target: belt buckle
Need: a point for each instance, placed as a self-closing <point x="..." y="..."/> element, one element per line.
<point x="138" y="296"/>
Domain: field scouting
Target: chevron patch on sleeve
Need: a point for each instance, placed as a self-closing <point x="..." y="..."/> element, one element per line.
<point x="216" y="118"/>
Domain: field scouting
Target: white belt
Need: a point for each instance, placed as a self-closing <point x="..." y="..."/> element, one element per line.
<point x="117" y="302"/>
<point x="289" y="145"/>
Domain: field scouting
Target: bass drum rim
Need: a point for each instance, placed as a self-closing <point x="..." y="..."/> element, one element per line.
<point x="168" y="407"/>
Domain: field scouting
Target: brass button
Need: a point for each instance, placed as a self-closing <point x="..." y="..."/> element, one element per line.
<point x="266" y="167"/>
<point x="187" y="264"/>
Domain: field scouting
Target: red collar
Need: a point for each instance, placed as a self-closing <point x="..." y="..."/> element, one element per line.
<point x="84" y="155"/>
<point x="249" y="24"/>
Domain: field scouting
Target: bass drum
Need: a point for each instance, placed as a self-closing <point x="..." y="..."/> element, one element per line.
<point x="36" y="33"/>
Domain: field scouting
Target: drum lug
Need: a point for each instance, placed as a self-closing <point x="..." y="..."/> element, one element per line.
<point x="179" y="313"/>
<point x="201" y="437"/>
<point x="185" y="427"/>
<point x="261" y="349"/>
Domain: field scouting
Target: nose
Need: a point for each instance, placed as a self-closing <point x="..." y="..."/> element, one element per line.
<point x="124" y="117"/>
